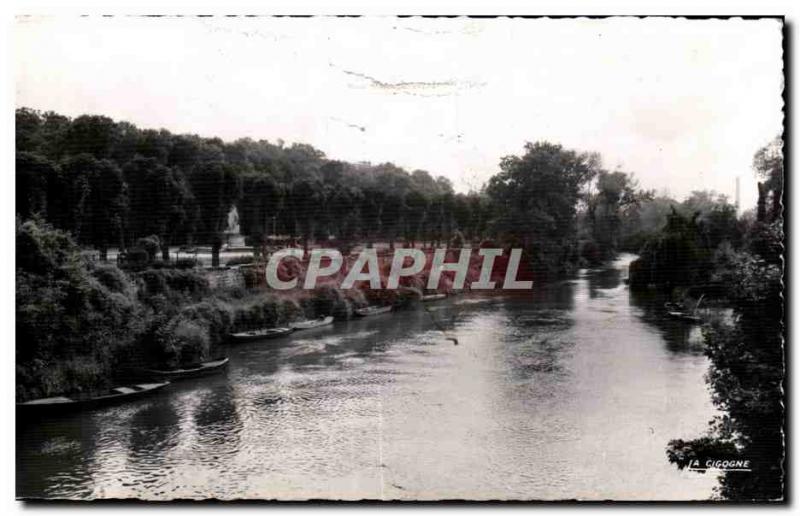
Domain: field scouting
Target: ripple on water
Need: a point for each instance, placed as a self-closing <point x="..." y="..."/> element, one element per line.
<point x="548" y="396"/>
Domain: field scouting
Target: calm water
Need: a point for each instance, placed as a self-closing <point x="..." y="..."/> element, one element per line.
<point x="572" y="391"/>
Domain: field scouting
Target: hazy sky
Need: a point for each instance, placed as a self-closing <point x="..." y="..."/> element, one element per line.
<point x="683" y="104"/>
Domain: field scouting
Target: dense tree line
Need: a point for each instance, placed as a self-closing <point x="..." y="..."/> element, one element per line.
<point x="110" y="183"/>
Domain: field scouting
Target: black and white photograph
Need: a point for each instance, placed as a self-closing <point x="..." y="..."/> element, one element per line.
<point x="399" y="258"/>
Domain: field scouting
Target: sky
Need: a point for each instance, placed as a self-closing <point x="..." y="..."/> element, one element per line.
<point x="682" y="104"/>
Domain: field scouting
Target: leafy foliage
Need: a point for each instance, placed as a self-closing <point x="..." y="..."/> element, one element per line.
<point x="73" y="321"/>
<point x="182" y="187"/>
<point x="534" y="199"/>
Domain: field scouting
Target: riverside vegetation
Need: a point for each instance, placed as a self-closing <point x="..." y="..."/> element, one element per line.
<point x="94" y="183"/>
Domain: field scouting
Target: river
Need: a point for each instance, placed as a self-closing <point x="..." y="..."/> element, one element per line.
<point x="571" y="391"/>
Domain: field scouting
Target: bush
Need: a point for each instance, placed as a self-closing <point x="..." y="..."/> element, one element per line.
<point x="179" y="286"/>
<point x="111" y="277"/>
<point x="326" y="301"/>
<point x="252" y="277"/>
<point x="265" y="312"/>
<point x="74" y="321"/>
<point x="193" y="334"/>
<point x="185" y="343"/>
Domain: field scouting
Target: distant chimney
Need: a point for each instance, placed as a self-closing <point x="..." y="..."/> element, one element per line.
<point x="737" y="194"/>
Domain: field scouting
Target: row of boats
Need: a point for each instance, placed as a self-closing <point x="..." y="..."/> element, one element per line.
<point x="161" y="378"/>
<point x="272" y="333"/>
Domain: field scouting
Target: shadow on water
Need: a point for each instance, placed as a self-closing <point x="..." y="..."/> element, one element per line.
<point x="55" y="455"/>
<point x="606" y="278"/>
<point x="681" y="337"/>
<point x="217" y="422"/>
<point x="519" y="408"/>
<point x="154" y="430"/>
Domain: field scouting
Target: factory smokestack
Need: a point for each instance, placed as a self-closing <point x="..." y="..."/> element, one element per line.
<point x="737" y="195"/>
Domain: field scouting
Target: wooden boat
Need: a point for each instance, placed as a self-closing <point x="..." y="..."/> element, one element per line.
<point x="676" y="311"/>
<point x="312" y="323"/>
<point x="179" y="374"/>
<point x="432" y="297"/>
<point x="684" y="316"/>
<point x="60" y="404"/>
<point x="262" y="334"/>
<point x="372" y="310"/>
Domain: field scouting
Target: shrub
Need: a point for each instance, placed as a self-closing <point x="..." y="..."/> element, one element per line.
<point x="179" y="286"/>
<point x="186" y="343"/>
<point x="192" y="334"/>
<point x="74" y="321"/>
<point x="111" y="277"/>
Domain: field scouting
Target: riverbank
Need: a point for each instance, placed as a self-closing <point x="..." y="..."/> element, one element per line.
<point x="542" y="389"/>
<point x="83" y="325"/>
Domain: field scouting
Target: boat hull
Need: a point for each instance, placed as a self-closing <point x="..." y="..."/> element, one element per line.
<point x="251" y="337"/>
<point x="316" y="323"/>
<point x="366" y="312"/>
<point x="684" y="317"/>
<point x="179" y="374"/>
<point x="63" y="404"/>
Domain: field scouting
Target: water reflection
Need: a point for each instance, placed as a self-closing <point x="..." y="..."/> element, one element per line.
<point x="568" y="391"/>
<point x="680" y="336"/>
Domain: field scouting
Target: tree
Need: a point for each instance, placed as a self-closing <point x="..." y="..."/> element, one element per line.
<point x="92" y="134"/>
<point x="74" y="320"/>
<point x="674" y="257"/>
<point x="97" y="195"/>
<point x="615" y="201"/>
<point x="35" y="175"/>
<point x="53" y="135"/>
<point x="305" y="201"/>
<point x="159" y="199"/>
<point x="393" y="215"/>
<point x="346" y="211"/>
<point x="768" y="164"/>
<point x="418" y="204"/>
<point x="534" y="199"/>
<point x="28" y="125"/>
<point x="372" y="212"/>
<point x="746" y="376"/>
<point x="258" y="207"/>
<point x="747" y="353"/>
<point x="155" y="144"/>
<point x="216" y="187"/>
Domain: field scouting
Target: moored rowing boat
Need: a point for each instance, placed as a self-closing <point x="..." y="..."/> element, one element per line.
<point x="60" y="404"/>
<point x="372" y="310"/>
<point x="262" y="334"/>
<point x="312" y="323"/>
<point x="683" y="316"/>
<point x="178" y="374"/>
